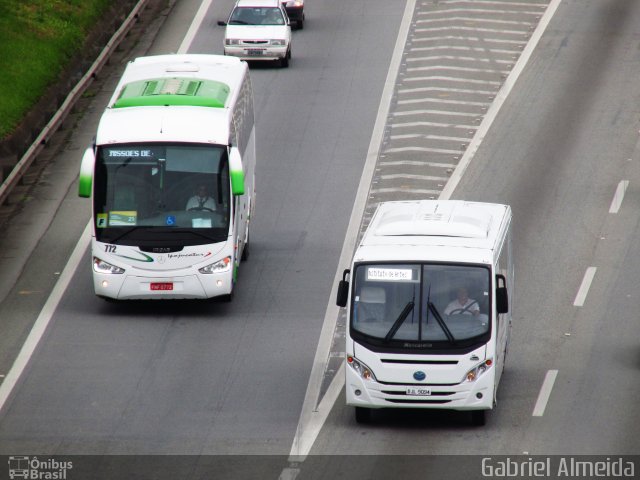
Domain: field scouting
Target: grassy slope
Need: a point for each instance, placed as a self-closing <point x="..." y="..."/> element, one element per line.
<point x="37" y="38"/>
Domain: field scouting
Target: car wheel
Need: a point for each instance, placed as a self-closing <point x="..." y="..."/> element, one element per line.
<point x="300" y="23"/>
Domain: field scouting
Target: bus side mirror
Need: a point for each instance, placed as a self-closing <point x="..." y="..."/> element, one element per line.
<point x="343" y="290"/>
<point x="236" y="172"/>
<point x="86" y="173"/>
<point x="502" y="297"/>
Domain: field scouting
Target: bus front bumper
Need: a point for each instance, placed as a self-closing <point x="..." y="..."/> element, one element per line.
<point x="476" y="395"/>
<point x="138" y="287"/>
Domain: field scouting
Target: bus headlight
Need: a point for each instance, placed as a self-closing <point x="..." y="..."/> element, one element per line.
<point x="100" y="266"/>
<point x="361" y="369"/>
<point x="220" y="266"/>
<point x="473" y="374"/>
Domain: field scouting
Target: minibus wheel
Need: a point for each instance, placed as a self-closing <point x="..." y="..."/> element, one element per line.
<point x="478" y="417"/>
<point x="363" y="415"/>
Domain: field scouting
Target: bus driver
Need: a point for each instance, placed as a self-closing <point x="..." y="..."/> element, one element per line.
<point x="462" y="305"/>
<point x="201" y="200"/>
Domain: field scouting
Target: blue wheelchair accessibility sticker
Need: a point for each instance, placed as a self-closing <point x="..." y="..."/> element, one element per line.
<point x="171" y="220"/>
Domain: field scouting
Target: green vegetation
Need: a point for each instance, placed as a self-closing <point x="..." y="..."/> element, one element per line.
<point x="37" y="39"/>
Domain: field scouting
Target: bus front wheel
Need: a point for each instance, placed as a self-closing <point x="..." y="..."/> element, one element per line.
<point x="478" y="417"/>
<point x="363" y="415"/>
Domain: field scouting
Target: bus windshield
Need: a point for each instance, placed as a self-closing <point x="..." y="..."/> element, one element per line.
<point x="420" y="305"/>
<point x="178" y="193"/>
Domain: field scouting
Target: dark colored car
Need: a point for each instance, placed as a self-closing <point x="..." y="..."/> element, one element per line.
<point x="295" y="12"/>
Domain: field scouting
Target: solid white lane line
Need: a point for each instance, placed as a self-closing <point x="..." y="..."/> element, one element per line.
<point x="313" y="415"/>
<point x="581" y="296"/>
<point x="616" y="203"/>
<point x="545" y="393"/>
<point x="492" y="113"/>
<point x="195" y="26"/>
<point x="42" y="322"/>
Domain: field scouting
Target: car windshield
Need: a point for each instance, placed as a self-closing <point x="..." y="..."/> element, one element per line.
<point x="256" y="16"/>
<point x="429" y="304"/>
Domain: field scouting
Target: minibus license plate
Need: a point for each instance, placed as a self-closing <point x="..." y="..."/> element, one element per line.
<point x="418" y="391"/>
<point x="254" y="51"/>
<point x="162" y="286"/>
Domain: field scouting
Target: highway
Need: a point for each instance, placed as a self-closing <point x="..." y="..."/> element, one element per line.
<point x="188" y="378"/>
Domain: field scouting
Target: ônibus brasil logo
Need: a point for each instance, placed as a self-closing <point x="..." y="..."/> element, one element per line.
<point x="34" y="468"/>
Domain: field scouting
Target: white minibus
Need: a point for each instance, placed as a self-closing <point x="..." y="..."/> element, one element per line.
<point x="428" y="320"/>
<point x="171" y="176"/>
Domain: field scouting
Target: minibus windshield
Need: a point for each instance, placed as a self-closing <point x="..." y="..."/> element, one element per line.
<point x="425" y="304"/>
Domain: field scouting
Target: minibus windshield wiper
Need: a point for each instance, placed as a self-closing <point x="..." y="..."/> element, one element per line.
<point x="401" y="318"/>
<point x="432" y="308"/>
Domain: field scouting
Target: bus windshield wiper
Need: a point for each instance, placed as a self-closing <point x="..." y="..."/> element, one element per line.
<point x="401" y="318"/>
<point x="432" y="308"/>
<point x="125" y="233"/>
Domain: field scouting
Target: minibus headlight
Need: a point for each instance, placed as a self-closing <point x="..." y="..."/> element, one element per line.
<point x="473" y="374"/>
<point x="231" y="41"/>
<point x="361" y="369"/>
<point x="100" y="266"/>
<point x="279" y="42"/>
<point x="220" y="266"/>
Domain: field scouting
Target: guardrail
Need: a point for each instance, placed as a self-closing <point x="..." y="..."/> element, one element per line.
<point x="22" y="166"/>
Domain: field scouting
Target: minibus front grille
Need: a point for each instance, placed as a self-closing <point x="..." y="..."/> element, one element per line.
<point x="417" y="402"/>
<point x="433" y="394"/>
<point x="403" y="384"/>
<point x="420" y="362"/>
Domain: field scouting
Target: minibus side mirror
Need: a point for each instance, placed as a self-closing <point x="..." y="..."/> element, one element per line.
<point x="86" y="173"/>
<point x="502" y="297"/>
<point x="343" y="290"/>
<point x="222" y="23"/>
<point x="236" y="172"/>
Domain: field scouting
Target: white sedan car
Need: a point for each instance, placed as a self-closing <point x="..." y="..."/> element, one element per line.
<point x="258" y="30"/>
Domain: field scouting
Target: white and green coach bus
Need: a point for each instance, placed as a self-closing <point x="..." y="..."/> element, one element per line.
<point x="171" y="177"/>
<point x="428" y="312"/>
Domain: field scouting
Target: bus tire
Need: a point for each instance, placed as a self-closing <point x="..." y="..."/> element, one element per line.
<point x="478" y="417"/>
<point x="363" y="415"/>
<point x="245" y="250"/>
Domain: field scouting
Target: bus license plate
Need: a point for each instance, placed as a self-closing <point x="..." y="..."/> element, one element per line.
<point x="418" y="391"/>
<point x="162" y="286"/>
<point x="254" y="51"/>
